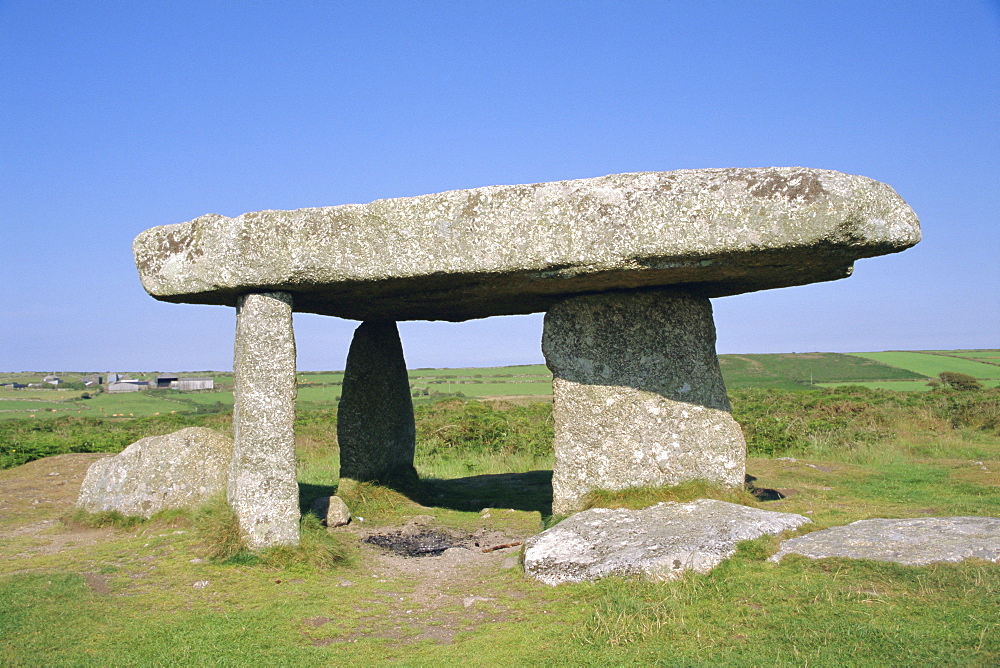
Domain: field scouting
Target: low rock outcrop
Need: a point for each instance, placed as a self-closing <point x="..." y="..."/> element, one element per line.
<point x="177" y="470"/>
<point x="660" y="542"/>
<point x="914" y="542"/>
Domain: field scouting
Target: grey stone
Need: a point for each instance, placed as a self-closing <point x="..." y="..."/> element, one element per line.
<point x="520" y="248"/>
<point x="332" y="511"/>
<point x="263" y="489"/>
<point x="659" y="542"/>
<point x="178" y="470"/>
<point x="638" y="397"/>
<point x="914" y="542"/>
<point x="375" y="426"/>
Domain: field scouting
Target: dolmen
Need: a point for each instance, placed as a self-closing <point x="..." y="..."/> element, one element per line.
<point x="622" y="265"/>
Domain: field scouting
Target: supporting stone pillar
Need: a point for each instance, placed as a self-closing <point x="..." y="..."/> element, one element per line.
<point x="263" y="490"/>
<point x="638" y="395"/>
<point x="375" y="427"/>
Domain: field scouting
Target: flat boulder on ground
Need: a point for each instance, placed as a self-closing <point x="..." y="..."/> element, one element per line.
<point x="177" y="470"/>
<point x="660" y="542"/>
<point x="914" y="542"/>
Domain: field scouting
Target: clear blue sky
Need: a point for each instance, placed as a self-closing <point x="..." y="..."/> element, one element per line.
<point x="119" y="116"/>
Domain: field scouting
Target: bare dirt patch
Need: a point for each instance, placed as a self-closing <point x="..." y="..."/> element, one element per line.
<point x="441" y="591"/>
<point x="33" y="499"/>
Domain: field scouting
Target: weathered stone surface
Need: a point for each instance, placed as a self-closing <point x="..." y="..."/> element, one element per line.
<point x="519" y="249"/>
<point x="263" y="489"/>
<point x="638" y="397"/>
<point x="375" y="427"/>
<point x="178" y="470"/>
<point x="914" y="542"/>
<point x="331" y="511"/>
<point x="659" y="542"/>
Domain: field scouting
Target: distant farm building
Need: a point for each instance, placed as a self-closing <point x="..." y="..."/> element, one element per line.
<point x="52" y="380"/>
<point x="165" y="380"/>
<point x="119" y="383"/>
<point x="128" y="386"/>
<point x="194" y="384"/>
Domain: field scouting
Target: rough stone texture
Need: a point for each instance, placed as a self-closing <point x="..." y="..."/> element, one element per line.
<point x="519" y="249"/>
<point x="914" y="542"/>
<point x="375" y="427"/>
<point x="659" y="542"/>
<point x="178" y="470"/>
<point x="263" y="490"/>
<point x="638" y="397"/>
<point x="331" y="511"/>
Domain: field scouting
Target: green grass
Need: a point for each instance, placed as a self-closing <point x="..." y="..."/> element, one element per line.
<point x="538" y="370"/>
<point x="901" y="385"/>
<point x="317" y="396"/>
<point x="503" y="389"/>
<point x="182" y="592"/>
<point x="798" y="370"/>
<point x="930" y="365"/>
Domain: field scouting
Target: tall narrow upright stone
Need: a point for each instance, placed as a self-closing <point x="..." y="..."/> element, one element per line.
<point x="263" y="490"/>
<point x="638" y="395"/>
<point x="375" y="427"/>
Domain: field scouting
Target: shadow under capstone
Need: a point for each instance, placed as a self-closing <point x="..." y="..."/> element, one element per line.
<point x="530" y="491"/>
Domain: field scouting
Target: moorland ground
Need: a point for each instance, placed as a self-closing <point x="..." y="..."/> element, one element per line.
<point x="102" y="590"/>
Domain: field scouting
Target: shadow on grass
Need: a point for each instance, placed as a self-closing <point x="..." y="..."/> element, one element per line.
<point x="309" y="493"/>
<point x="531" y="491"/>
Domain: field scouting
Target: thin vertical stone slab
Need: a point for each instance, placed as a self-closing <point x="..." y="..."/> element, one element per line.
<point x="638" y="395"/>
<point x="263" y="490"/>
<point x="375" y="427"/>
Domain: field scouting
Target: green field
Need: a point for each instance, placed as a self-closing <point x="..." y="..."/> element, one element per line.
<point x="902" y="385"/>
<point x="931" y="364"/>
<point x="992" y="356"/>
<point x="33" y="405"/>
<point x="493" y="389"/>
<point x="793" y="370"/>
<point x="529" y="370"/>
<point x="905" y="371"/>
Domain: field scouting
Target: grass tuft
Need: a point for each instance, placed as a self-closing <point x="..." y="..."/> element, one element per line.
<point x="636" y="498"/>
<point x="318" y="550"/>
<point x="218" y="530"/>
<point x="105" y="519"/>
<point x="372" y="501"/>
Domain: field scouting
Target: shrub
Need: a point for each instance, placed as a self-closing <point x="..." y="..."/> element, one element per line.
<point x="959" y="381"/>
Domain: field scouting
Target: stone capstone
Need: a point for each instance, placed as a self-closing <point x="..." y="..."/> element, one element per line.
<point x="178" y="470"/>
<point x="263" y="488"/>
<point x="375" y="425"/>
<point x="659" y="542"/>
<point x="331" y="511"/>
<point x="521" y="248"/>
<point x="914" y="542"/>
<point x="638" y="396"/>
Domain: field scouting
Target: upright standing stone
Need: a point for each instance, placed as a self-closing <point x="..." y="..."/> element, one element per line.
<point x="638" y="395"/>
<point x="263" y="490"/>
<point x="375" y="427"/>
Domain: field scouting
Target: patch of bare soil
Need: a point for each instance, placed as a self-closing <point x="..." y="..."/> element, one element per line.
<point x="438" y="595"/>
<point x="34" y="496"/>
